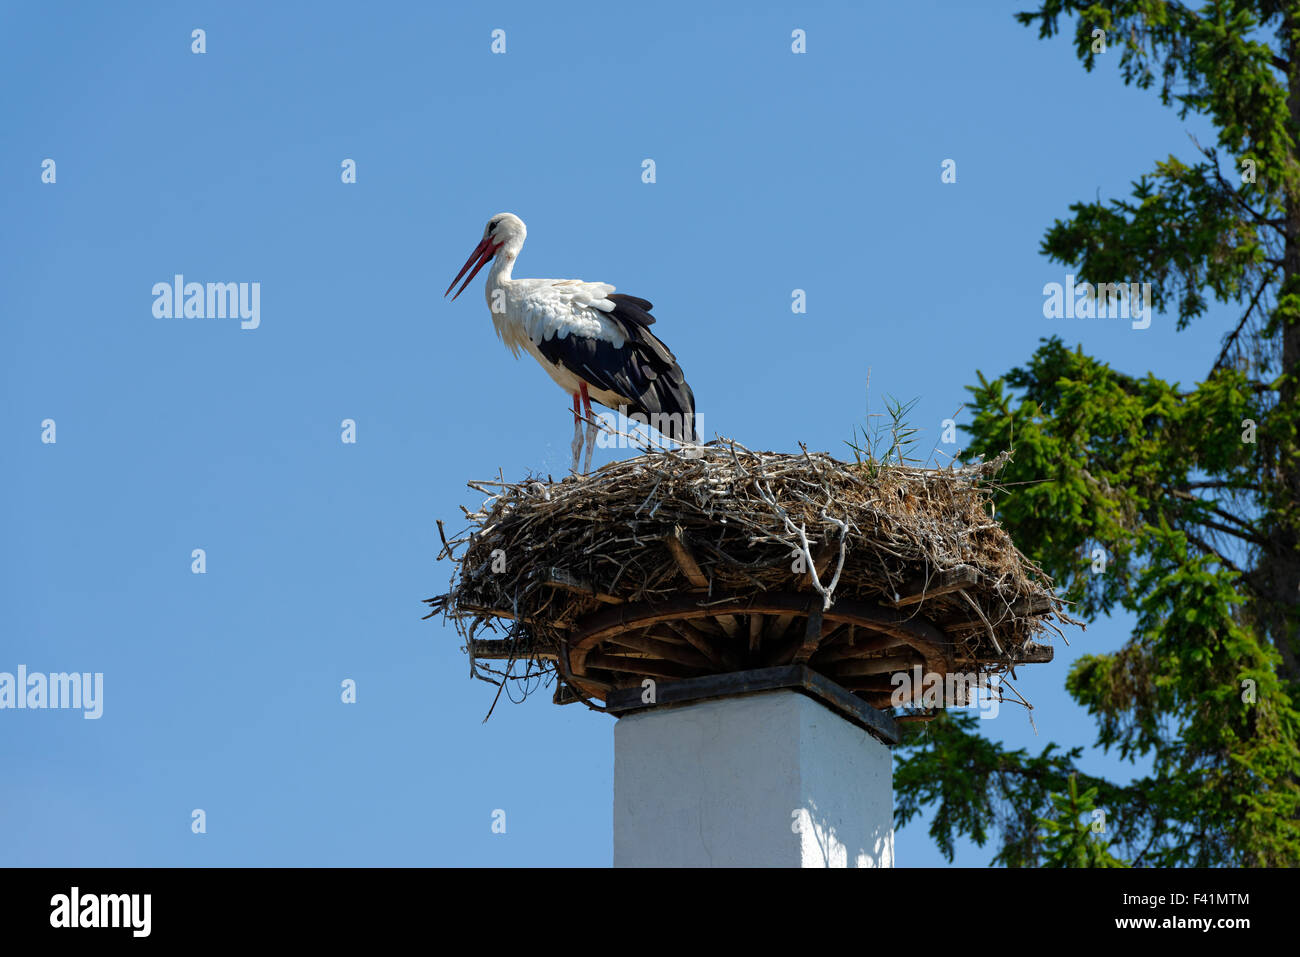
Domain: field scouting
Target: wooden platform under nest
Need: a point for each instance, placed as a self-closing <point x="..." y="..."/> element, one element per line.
<point x="670" y="567"/>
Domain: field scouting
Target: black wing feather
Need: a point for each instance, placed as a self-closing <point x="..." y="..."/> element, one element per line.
<point x="633" y="307"/>
<point x="643" y="370"/>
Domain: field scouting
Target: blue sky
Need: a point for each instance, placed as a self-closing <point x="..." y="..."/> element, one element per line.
<point x="775" y="171"/>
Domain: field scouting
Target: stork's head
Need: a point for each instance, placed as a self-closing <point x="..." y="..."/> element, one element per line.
<point x="503" y="235"/>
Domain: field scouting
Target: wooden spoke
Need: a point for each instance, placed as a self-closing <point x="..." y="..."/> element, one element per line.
<point x="859" y="667"/>
<point x="662" y="649"/>
<point x="868" y="642"/>
<point x="722" y="658"/>
<point x="729" y="624"/>
<point x="638" y="666"/>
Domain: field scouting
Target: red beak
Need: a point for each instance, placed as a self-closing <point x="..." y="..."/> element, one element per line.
<point x="481" y="255"/>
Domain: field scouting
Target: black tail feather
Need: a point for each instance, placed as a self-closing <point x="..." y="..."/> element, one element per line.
<point x="668" y="398"/>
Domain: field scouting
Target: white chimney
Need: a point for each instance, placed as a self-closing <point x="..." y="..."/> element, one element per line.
<point x="772" y="778"/>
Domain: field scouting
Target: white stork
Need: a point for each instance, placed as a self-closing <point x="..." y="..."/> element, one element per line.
<point x="593" y="343"/>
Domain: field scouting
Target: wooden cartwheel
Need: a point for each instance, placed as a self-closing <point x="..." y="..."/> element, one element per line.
<point x="858" y="645"/>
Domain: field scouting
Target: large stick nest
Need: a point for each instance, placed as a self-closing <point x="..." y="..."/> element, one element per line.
<point x="544" y="563"/>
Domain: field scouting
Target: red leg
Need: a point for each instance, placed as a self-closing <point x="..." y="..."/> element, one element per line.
<point x="591" y="428"/>
<point x="577" y="431"/>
